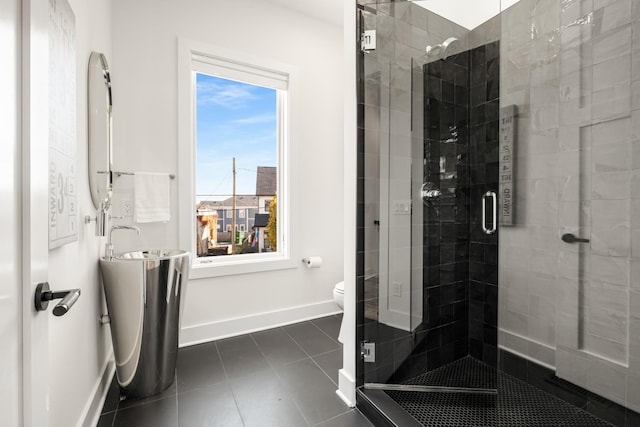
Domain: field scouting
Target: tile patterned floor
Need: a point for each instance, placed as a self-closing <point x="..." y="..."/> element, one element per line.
<point x="279" y="377"/>
<point x="517" y="403"/>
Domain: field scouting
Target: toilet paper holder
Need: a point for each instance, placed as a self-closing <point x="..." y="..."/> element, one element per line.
<point x="312" y="261"/>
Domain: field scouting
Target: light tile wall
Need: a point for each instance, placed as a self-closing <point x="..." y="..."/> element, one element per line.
<point x="529" y="250"/>
<point x="573" y="70"/>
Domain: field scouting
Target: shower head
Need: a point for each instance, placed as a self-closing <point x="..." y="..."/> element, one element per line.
<point x="434" y="51"/>
<point x="450" y="46"/>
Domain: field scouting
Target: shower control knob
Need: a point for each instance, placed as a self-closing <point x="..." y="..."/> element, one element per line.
<point x="570" y="238"/>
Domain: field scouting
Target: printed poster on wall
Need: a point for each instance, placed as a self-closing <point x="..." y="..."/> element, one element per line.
<point x="508" y="133"/>
<point x="63" y="215"/>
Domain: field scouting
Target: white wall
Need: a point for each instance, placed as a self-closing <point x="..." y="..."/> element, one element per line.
<point x="145" y="36"/>
<point x="79" y="347"/>
<point x="347" y="375"/>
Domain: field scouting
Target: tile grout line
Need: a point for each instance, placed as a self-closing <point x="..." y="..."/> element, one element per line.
<point x="311" y="357"/>
<point x="115" y="415"/>
<point x="323" y="331"/>
<point x="334" y="417"/>
<point x="291" y="338"/>
<point x="228" y="382"/>
<point x="175" y="379"/>
<point x="319" y="354"/>
<point x="113" y="421"/>
<point x="295" y="403"/>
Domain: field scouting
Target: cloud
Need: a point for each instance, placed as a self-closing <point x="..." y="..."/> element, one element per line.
<point x="228" y="95"/>
<point x="264" y="118"/>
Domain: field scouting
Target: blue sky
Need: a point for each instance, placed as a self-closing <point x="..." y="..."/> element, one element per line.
<point x="232" y="119"/>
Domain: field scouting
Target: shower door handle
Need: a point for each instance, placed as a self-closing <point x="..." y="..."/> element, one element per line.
<point x="570" y="238"/>
<point x="494" y="212"/>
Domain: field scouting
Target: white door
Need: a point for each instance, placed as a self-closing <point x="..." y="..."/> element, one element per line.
<point x="23" y="211"/>
<point x="10" y="259"/>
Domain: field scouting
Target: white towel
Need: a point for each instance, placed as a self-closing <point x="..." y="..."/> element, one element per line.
<point x="151" y="197"/>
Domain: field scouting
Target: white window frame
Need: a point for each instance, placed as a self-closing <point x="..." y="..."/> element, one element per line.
<point x="196" y="57"/>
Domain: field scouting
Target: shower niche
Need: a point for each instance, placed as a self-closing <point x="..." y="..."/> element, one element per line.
<point x="483" y="143"/>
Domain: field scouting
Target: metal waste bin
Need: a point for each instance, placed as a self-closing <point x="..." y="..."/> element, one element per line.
<point x="143" y="290"/>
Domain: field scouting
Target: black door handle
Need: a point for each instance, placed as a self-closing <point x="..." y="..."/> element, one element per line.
<point x="570" y="238"/>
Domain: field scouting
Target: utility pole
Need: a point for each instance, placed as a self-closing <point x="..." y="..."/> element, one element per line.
<point x="233" y="212"/>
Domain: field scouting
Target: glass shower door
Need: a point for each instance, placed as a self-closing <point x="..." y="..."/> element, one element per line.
<point x="427" y="327"/>
<point x="390" y="288"/>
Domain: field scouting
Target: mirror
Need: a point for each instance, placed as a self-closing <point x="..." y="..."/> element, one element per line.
<point x="100" y="104"/>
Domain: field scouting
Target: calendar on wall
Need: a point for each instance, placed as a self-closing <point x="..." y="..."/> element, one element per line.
<point x="63" y="206"/>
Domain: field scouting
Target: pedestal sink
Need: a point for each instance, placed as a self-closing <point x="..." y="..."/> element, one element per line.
<point x="143" y="291"/>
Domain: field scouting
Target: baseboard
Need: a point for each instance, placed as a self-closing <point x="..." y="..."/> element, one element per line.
<point x="93" y="407"/>
<point x="192" y="335"/>
<point x="347" y="388"/>
<point x="535" y="351"/>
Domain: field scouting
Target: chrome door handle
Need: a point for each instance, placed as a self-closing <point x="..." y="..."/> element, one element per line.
<point x="570" y="238"/>
<point x="44" y="294"/>
<point x="494" y="215"/>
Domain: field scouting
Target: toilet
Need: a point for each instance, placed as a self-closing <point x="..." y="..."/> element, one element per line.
<point x="338" y="294"/>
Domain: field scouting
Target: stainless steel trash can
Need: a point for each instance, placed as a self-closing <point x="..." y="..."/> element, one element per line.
<point x="143" y="292"/>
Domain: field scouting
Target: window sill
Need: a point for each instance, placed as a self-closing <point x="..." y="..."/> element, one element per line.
<point x="210" y="267"/>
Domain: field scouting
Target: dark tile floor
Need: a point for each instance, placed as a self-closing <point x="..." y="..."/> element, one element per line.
<point x="279" y="377"/>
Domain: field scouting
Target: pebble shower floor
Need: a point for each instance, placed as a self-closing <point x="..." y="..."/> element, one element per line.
<point x="516" y="403"/>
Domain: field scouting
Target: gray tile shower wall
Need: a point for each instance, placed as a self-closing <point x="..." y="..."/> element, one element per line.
<point x="569" y="67"/>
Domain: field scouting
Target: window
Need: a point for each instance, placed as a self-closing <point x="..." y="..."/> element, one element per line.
<point x="234" y="122"/>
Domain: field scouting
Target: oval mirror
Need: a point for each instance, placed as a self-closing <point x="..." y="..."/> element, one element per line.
<point x="100" y="104"/>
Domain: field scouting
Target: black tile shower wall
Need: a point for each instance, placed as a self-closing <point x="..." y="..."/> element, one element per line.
<point x="461" y="160"/>
<point x="483" y="169"/>
<point x="446" y="216"/>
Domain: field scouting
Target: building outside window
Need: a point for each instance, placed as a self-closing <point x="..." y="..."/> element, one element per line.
<point x="237" y="144"/>
<point x="233" y="124"/>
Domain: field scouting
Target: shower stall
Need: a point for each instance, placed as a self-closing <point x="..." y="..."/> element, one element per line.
<point x="499" y="212"/>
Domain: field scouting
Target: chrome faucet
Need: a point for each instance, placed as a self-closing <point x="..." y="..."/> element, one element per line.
<point x="102" y="219"/>
<point x="108" y="248"/>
